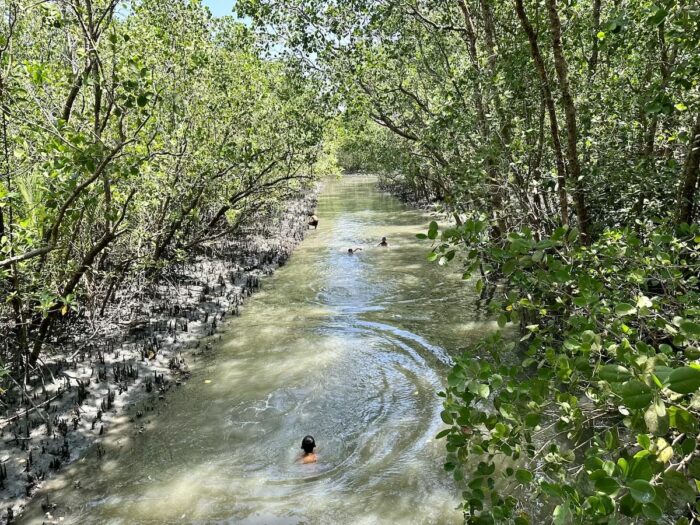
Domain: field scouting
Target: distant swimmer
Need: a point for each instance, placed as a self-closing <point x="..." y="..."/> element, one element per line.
<point x="383" y="243"/>
<point x="308" y="445"/>
<point x="313" y="221"/>
<point x="352" y="251"/>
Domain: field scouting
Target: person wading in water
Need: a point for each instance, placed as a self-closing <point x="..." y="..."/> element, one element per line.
<point x="383" y="243"/>
<point x="308" y="445"/>
<point x="313" y="221"/>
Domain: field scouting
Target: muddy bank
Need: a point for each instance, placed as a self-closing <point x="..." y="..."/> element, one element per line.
<point x="138" y="348"/>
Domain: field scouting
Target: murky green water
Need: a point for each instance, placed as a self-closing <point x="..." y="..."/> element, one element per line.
<point x="350" y="349"/>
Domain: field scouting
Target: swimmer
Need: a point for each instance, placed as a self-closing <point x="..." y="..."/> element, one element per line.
<point x="313" y="221"/>
<point x="355" y="250"/>
<point x="383" y="243"/>
<point x="308" y="445"/>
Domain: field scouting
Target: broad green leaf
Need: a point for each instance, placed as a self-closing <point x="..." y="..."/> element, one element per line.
<point x="607" y="485"/>
<point x="446" y="417"/>
<point x="523" y="476"/>
<point x="636" y="394"/>
<point x="684" y="380"/>
<point x="614" y="373"/>
<point x="642" y="491"/>
<point x="678" y="488"/>
<point x="652" y="511"/>
<point x="623" y="309"/>
<point x="690" y="329"/>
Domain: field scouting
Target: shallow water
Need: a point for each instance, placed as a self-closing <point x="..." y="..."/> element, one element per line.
<point x="350" y="349"/>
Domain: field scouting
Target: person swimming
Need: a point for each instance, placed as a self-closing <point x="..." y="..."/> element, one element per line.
<point x="383" y="243"/>
<point x="308" y="444"/>
<point x="313" y="221"/>
<point x="355" y="250"/>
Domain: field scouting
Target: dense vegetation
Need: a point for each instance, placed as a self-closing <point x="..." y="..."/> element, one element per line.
<point x="133" y="135"/>
<point x="564" y="137"/>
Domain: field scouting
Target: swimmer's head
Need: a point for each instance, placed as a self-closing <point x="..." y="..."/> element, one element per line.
<point x="308" y="444"/>
<point x="383" y="239"/>
<point x="350" y="250"/>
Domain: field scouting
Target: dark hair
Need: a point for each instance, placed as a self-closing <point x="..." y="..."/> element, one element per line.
<point x="308" y="444"/>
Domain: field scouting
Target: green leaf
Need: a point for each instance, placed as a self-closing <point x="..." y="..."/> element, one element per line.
<point x="607" y="485"/>
<point x="644" y="441"/>
<point x="614" y="373"/>
<point x="682" y="419"/>
<point x="623" y="309"/>
<point x="483" y="391"/>
<point x="432" y="230"/>
<point x="142" y="100"/>
<point x="690" y="329"/>
<point x="694" y="468"/>
<point x="652" y="511"/>
<point x="678" y="488"/>
<point x="642" y="491"/>
<point x="523" y="476"/>
<point x="446" y="417"/>
<point x="657" y="424"/>
<point x="532" y="420"/>
<point x="509" y="266"/>
<point x="636" y="394"/>
<point x="662" y="373"/>
<point x="684" y="380"/>
<point x="640" y="468"/>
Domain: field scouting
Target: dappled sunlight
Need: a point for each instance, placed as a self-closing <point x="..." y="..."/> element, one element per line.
<point x="348" y="348"/>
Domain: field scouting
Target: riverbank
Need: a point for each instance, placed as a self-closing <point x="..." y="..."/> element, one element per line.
<point x="344" y="348"/>
<point x="138" y="349"/>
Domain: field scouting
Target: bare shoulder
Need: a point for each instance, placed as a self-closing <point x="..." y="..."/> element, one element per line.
<point x="309" y="458"/>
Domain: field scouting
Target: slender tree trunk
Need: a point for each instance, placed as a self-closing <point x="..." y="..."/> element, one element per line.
<point x="86" y="263"/>
<point x="595" y="22"/>
<point x="494" y="191"/>
<point x="689" y="184"/>
<point x="551" y="109"/>
<point x="13" y="279"/>
<point x="561" y="68"/>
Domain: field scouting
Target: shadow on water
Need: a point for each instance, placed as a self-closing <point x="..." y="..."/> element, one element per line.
<point x="351" y="349"/>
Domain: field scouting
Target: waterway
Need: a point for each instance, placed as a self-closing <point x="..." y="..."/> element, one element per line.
<point x="351" y="349"/>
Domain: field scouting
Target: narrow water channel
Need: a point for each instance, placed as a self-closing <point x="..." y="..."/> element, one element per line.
<point x="350" y="349"/>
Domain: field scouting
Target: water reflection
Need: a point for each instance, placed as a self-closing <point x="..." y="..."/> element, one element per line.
<point x="351" y="349"/>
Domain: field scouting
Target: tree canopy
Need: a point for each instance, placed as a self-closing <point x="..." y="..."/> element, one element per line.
<point x="133" y="134"/>
<point x="564" y="137"/>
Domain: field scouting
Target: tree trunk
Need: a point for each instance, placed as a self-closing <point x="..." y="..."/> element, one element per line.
<point x="494" y="192"/>
<point x="551" y="109"/>
<point x="561" y="68"/>
<point x="689" y="184"/>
